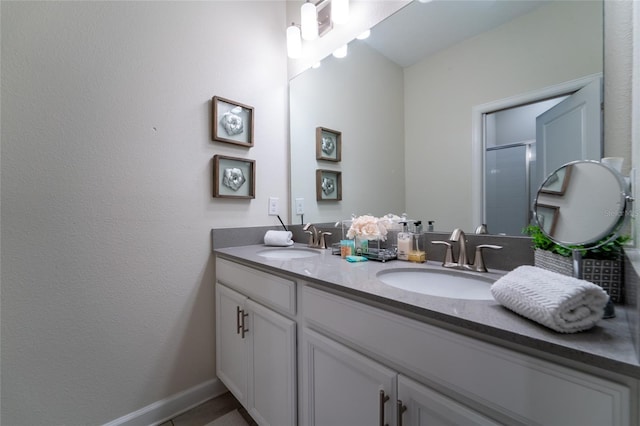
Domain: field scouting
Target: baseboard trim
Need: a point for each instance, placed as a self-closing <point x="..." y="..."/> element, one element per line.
<point x="167" y="408"/>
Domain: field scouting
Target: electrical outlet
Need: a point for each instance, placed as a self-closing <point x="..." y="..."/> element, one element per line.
<point x="300" y="206"/>
<point x="274" y="206"/>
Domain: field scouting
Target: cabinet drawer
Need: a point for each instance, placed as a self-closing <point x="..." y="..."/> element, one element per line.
<point x="271" y="290"/>
<point x="521" y="387"/>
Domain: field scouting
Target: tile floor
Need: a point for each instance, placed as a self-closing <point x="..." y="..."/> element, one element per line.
<point x="209" y="411"/>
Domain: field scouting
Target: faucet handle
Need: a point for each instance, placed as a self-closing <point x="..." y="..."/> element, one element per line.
<point x="323" y="241"/>
<point x="448" y="257"/>
<point x="478" y="260"/>
<point x="482" y="229"/>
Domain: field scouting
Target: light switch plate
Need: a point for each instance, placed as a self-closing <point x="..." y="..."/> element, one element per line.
<point x="274" y="206"/>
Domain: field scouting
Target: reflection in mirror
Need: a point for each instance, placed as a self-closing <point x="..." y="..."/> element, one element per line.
<point x="406" y="128"/>
<point x="581" y="203"/>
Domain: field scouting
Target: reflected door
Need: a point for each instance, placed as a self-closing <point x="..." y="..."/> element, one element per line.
<point x="506" y="195"/>
<point x="569" y="131"/>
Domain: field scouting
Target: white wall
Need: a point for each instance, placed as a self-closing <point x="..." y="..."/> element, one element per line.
<point x="438" y="130"/>
<point x="107" y="274"/>
<point x="373" y="178"/>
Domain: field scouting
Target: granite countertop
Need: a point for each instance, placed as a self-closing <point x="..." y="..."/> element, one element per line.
<point x="608" y="345"/>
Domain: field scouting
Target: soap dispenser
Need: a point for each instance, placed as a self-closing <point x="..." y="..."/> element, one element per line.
<point x="415" y="254"/>
<point x="404" y="242"/>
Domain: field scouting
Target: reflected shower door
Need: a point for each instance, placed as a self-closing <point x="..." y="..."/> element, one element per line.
<point x="507" y="189"/>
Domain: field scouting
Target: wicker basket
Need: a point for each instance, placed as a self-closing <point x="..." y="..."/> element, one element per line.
<point x="608" y="274"/>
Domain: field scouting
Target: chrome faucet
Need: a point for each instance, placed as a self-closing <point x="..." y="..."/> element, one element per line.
<point x="317" y="239"/>
<point x="458" y="236"/>
<point x="463" y="262"/>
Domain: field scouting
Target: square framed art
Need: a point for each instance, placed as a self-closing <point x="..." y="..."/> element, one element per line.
<point x="328" y="185"/>
<point x="328" y="144"/>
<point x="234" y="177"/>
<point x="232" y="122"/>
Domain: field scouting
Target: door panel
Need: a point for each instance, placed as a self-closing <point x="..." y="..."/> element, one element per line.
<point x="572" y="130"/>
<point x="231" y="359"/>
<point x="425" y="407"/>
<point x="343" y="387"/>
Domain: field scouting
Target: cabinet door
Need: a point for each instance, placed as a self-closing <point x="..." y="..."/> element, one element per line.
<point x="425" y="406"/>
<point x="272" y="367"/>
<point x="342" y="387"/>
<point x="231" y="352"/>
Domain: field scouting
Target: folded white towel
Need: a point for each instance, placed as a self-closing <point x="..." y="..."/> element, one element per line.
<point x="564" y="304"/>
<point x="278" y="238"/>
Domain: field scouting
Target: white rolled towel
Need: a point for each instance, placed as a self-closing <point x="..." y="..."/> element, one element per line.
<point x="564" y="304"/>
<point x="278" y="238"/>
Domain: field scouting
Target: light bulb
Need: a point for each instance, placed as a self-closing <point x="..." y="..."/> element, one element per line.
<point x="341" y="52"/>
<point x="309" y="17"/>
<point x="340" y="11"/>
<point x="294" y="42"/>
<point x="364" y="35"/>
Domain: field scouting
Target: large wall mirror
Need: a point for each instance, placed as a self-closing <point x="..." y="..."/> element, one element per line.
<point x="402" y="101"/>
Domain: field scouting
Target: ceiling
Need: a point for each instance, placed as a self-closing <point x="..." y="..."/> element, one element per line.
<point x="421" y="29"/>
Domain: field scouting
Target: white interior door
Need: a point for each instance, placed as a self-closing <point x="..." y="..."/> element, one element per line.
<point x="572" y="130"/>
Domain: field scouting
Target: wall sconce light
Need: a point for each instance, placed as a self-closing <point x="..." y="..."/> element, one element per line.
<point x="309" y="21"/>
<point x="317" y="18"/>
<point x="364" y="35"/>
<point x="294" y="41"/>
<point x="341" y="52"/>
<point x="340" y="12"/>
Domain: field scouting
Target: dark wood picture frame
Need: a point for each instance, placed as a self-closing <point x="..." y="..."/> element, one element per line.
<point x="547" y="217"/>
<point x="328" y="144"/>
<point x="232" y="122"/>
<point x="328" y="185"/>
<point x="561" y="182"/>
<point x="234" y="177"/>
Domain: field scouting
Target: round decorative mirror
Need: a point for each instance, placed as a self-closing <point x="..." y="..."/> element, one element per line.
<point x="583" y="203"/>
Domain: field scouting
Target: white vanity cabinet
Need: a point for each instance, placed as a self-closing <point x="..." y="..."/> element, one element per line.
<point x="283" y="342"/>
<point x="344" y="387"/>
<point x="256" y="346"/>
<point x="437" y="368"/>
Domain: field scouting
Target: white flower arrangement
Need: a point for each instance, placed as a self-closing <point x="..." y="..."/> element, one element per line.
<point x="368" y="227"/>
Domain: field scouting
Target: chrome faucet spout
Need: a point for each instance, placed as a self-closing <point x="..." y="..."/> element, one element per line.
<point x="313" y="234"/>
<point x="458" y="236"/>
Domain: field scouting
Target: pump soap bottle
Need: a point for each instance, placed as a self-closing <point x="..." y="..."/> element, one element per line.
<point x="404" y="243"/>
<point x="415" y="254"/>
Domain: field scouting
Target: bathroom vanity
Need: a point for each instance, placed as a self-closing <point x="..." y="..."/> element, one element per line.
<point x="315" y="340"/>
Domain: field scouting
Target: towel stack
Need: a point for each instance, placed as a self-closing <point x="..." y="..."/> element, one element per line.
<point x="564" y="304"/>
<point x="278" y="238"/>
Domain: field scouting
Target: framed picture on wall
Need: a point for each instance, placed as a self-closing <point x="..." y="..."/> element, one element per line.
<point x="547" y="216"/>
<point x="328" y="144"/>
<point x="558" y="182"/>
<point x="233" y="177"/>
<point x="232" y="122"/>
<point x="328" y="185"/>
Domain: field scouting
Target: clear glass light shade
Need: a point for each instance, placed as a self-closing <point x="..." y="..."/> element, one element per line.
<point x="341" y="52"/>
<point x="340" y="11"/>
<point x="294" y="42"/>
<point x="309" y="17"/>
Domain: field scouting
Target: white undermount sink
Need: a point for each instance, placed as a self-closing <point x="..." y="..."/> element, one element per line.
<point x="441" y="283"/>
<point x="287" y="253"/>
